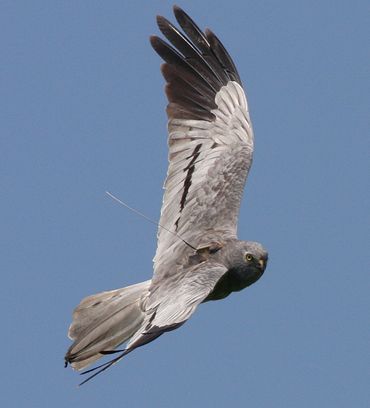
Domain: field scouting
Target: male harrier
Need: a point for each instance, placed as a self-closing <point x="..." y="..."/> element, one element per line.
<point x="199" y="257"/>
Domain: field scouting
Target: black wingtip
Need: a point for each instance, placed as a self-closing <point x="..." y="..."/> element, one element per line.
<point x="198" y="66"/>
<point x="160" y="20"/>
<point x="154" y="41"/>
<point x="179" y="13"/>
<point x="177" y="9"/>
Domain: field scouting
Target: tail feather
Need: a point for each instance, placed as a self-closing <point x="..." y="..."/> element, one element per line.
<point x="103" y="321"/>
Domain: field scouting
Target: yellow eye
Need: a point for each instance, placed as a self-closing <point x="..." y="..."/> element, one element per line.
<point x="248" y="257"/>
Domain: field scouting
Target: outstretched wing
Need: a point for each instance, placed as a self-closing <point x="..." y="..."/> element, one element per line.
<point x="170" y="310"/>
<point x="210" y="142"/>
<point x="173" y="308"/>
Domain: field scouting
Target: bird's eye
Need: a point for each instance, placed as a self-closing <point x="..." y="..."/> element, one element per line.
<point x="248" y="257"/>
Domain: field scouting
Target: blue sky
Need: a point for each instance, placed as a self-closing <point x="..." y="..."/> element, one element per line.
<point x="83" y="112"/>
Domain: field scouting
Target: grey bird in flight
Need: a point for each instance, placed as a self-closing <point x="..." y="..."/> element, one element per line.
<point x="199" y="257"/>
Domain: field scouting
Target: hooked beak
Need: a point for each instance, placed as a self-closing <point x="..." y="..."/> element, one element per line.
<point x="262" y="263"/>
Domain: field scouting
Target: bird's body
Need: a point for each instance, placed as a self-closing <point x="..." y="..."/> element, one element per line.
<point x="199" y="257"/>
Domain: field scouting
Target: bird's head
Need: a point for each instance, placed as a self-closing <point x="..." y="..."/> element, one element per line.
<point x="247" y="260"/>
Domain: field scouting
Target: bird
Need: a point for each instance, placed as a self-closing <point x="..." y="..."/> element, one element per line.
<point x="199" y="257"/>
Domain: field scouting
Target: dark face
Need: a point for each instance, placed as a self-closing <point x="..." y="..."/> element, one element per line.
<point x="250" y="265"/>
<point x="246" y="262"/>
<point x="253" y="268"/>
<point x="255" y="261"/>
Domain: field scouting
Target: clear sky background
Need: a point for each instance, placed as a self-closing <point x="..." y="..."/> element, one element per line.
<point x="83" y="111"/>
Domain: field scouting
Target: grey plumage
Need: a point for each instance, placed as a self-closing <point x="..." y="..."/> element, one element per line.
<point x="210" y="154"/>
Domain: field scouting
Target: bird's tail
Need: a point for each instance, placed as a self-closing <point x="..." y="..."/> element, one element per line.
<point x="103" y="321"/>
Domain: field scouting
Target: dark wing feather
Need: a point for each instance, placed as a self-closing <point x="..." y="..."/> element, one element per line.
<point x="223" y="56"/>
<point x="192" y="55"/>
<point x="191" y="29"/>
<point x="208" y="44"/>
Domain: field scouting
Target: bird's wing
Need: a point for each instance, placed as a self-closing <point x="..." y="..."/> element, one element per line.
<point x="171" y="309"/>
<point x="210" y="142"/>
<point x="167" y="310"/>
